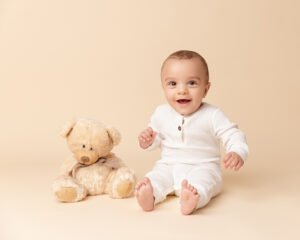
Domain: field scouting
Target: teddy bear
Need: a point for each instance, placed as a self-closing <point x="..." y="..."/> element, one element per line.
<point x="92" y="169"/>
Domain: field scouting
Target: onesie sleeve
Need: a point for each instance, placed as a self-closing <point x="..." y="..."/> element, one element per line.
<point x="233" y="139"/>
<point x="155" y="125"/>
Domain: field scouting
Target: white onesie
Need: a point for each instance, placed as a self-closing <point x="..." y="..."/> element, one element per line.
<point x="191" y="150"/>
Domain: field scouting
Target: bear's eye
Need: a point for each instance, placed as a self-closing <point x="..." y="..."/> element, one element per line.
<point x="91" y="149"/>
<point x="83" y="146"/>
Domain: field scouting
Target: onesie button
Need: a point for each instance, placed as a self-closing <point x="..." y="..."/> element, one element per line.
<point x="179" y="128"/>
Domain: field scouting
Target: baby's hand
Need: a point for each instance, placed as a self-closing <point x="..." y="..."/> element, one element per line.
<point x="233" y="161"/>
<point x="146" y="138"/>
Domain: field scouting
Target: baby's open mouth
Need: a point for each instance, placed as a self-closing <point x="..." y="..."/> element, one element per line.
<point x="183" y="101"/>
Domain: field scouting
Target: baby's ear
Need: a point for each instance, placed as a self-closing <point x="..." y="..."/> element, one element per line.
<point x="207" y="88"/>
<point x="67" y="129"/>
<point x="114" y="135"/>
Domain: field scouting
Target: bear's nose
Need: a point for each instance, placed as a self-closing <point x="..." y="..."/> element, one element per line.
<point x="85" y="159"/>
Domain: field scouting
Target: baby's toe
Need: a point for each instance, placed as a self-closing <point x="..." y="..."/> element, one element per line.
<point x="146" y="181"/>
<point x="184" y="184"/>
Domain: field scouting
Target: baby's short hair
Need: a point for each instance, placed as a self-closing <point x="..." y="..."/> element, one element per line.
<point x="187" y="54"/>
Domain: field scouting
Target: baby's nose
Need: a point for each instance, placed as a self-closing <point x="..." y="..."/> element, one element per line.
<point x="84" y="159"/>
<point x="182" y="90"/>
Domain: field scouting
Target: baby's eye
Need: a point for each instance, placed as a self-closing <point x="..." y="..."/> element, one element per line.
<point x="83" y="146"/>
<point x="91" y="149"/>
<point x="172" y="84"/>
<point x="192" y="83"/>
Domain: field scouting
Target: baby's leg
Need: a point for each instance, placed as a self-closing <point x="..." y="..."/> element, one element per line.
<point x="155" y="186"/>
<point x="144" y="194"/>
<point x="189" y="198"/>
<point x="201" y="182"/>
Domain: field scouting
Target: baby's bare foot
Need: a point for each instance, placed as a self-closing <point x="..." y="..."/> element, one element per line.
<point x="144" y="195"/>
<point x="189" y="198"/>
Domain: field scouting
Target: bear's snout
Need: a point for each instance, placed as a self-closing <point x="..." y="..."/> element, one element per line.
<point x="84" y="159"/>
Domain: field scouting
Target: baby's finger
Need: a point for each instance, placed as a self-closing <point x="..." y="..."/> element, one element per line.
<point x="141" y="138"/>
<point x="146" y="136"/>
<point x="239" y="165"/>
<point x="154" y="134"/>
<point x="149" y="131"/>
<point x="234" y="163"/>
<point x="227" y="157"/>
<point x="228" y="162"/>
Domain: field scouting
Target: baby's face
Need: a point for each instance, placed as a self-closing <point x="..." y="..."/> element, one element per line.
<point x="185" y="84"/>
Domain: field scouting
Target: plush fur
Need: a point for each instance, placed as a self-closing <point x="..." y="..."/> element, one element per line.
<point x="93" y="169"/>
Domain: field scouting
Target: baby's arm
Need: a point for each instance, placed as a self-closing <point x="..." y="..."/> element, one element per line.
<point x="146" y="138"/>
<point x="233" y="139"/>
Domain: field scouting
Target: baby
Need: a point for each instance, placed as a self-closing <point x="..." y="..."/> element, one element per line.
<point x="188" y="131"/>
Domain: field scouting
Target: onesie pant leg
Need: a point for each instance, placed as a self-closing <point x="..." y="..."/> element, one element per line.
<point x="161" y="179"/>
<point x="206" y="178"/>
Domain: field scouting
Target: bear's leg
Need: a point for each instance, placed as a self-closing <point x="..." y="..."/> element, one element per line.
<point x="67" y="189"/>
<point x="122" y="183"/>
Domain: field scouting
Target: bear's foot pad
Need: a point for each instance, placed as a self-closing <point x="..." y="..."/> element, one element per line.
<point x="66" y="194"/>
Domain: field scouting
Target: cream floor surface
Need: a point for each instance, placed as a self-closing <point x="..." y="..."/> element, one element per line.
<point x="253" y="205"/>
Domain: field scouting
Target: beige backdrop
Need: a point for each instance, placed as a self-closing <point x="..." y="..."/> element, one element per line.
<point x="61" y="59"/>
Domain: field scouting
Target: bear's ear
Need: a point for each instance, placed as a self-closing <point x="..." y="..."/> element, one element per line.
<point x="114" y="135"/>
<point x="67" y="129"/>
